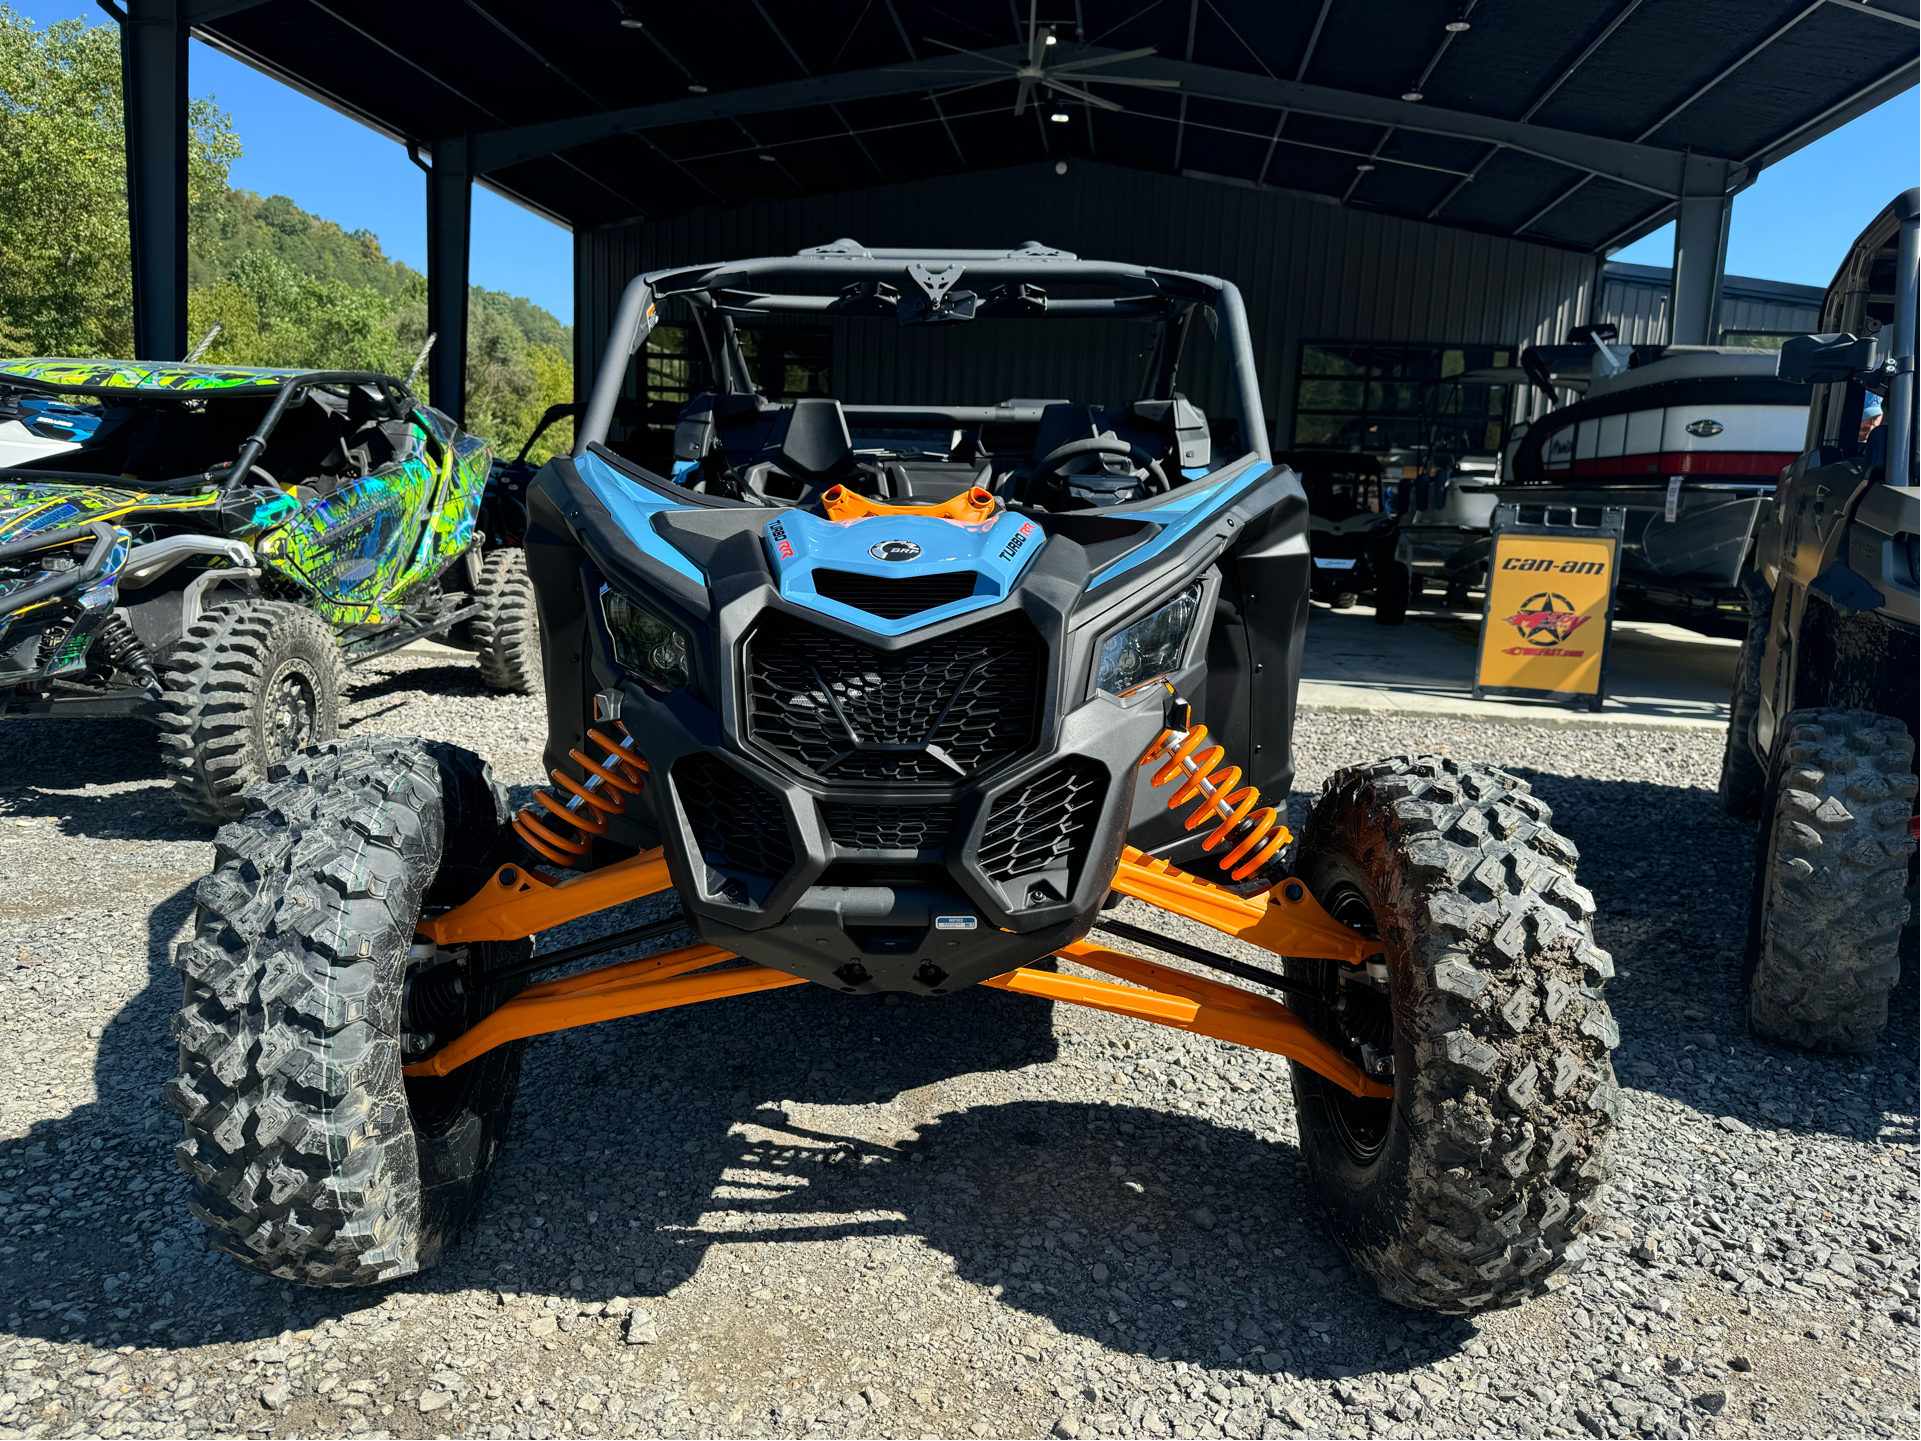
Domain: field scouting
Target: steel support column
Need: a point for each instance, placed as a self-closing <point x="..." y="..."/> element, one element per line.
<point x="1700" y="253"/>
<point x="153" y="88"/>
<point x="449" y="226"/>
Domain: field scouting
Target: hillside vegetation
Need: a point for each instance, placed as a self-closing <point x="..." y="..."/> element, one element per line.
<point x="286" y="287"/>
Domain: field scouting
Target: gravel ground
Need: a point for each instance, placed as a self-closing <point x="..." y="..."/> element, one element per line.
<point x="801" y="1214"/>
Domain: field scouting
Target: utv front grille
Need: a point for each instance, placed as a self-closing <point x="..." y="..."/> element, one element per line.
<point x="894" y="597"/>
<point x="1044" y="825"/>
<point x="737" y="822"/>
<point x="933" y="714"/>
<point x="888" y="828"/>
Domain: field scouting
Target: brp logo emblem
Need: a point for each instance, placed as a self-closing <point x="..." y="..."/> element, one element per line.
<point x="894" y="550"/>
<point x="1547" y="619"/>
<point x="1705" y="428"/>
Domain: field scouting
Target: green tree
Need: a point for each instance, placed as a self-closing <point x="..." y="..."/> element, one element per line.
<point x="65" y="278"/>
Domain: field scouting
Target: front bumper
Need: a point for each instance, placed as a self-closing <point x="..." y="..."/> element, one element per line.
<point x="872" y="887"/>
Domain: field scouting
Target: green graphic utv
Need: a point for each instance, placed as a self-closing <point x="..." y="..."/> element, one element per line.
<point x="209" y="547"/>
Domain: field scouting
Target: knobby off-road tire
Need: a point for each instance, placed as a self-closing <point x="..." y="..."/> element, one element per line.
<point x="1744" y="779"/>
<point x="1831" y="872"/>
<point x="1475" y="1185"/>
<point x="313" y="1158"/>
<point x="249" y="684"/>
<point x="506" y="633"/>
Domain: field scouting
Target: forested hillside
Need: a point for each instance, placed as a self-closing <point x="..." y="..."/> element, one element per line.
<point x="286" y="287"/>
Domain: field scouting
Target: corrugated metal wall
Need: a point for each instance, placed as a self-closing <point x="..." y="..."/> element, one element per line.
<point x="1635" y="298"/>
<point x="1308" y="271"/>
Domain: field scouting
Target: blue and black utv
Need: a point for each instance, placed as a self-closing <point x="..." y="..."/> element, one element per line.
<point x="904" y="697"/>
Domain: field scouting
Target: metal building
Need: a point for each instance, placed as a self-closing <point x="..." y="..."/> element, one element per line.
<point x="1434" y="175"/>
<point x="1635" y="299"/>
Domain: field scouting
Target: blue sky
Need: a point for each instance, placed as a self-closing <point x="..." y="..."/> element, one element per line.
<point x="1798" y="219"/>
<point x="1793" y="224"/>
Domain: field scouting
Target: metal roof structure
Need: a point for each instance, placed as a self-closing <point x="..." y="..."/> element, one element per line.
<point x="1582" y="125"/>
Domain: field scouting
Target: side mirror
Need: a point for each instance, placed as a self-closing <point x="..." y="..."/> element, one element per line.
<point x="1825" y="359"/>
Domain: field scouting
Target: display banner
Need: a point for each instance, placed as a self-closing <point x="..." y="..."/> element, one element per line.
<point x="1550" y="600"/>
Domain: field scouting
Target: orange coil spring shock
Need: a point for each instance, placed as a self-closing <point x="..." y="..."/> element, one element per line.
<point x="588" y="808"/>
<point x="1259" y="832"/>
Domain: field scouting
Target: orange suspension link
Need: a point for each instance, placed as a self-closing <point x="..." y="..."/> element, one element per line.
<point x="590" y="807"/>
<point x="1257" y="829"/>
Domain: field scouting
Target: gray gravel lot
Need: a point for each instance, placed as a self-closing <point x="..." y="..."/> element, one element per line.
<point x="804" y="1214"/>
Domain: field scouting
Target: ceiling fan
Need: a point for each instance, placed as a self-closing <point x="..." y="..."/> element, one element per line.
<point x="1066" y="77"/>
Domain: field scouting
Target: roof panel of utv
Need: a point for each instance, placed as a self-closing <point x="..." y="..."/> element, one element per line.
<point x="98" y="376"/>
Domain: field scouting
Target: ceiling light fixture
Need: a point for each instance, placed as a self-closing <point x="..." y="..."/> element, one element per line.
<point x="1059" y="117"/>
<point x="696" y="89"/>
<point x="1411" y="96"/>
<point x="1364" y="166"/>
<point x="768" y="158"/>
<point x="1457" y="27"/>
<point x="629" y="23"/>
<point x="1051" y="38"/>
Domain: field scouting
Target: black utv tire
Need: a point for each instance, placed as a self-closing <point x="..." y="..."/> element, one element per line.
<point x="1830" y="881"/>
<point x="1744" y="779"/>
<point x="250" y="683"/>
<point x="506" y="633"/>
<point x="1391" y="588"/>
<point x="313" y="1158"/>
<point x="1475" y="1185"/>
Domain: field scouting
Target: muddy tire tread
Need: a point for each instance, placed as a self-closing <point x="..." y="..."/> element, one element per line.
<point x="1515" y="1094"/>
<point x="296" y="1131"/>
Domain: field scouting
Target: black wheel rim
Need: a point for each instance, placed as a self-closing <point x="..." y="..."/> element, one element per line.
<point x="1360" y="1123"/>
<point x="292" y="719"/>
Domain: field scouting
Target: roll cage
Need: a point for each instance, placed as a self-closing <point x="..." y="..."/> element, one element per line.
<point x="928" y="287"/>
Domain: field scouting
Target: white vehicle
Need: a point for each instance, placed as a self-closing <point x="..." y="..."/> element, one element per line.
<point x="38" y="429"/>
<point x="1689" y="440"/>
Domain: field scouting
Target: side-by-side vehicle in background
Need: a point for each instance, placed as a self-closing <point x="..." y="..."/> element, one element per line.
<point x="205" y="547"/>
<point x="1822" y="720"/>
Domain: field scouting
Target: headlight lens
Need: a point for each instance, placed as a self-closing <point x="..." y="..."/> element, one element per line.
<point x="1149" y="648"/>
<point x="645" y="644"/>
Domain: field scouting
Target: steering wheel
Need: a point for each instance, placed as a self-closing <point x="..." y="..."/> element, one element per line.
<point x="1051" y="463"/>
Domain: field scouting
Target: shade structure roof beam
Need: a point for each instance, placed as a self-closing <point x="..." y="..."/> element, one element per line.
<point x="1644" y="167"/>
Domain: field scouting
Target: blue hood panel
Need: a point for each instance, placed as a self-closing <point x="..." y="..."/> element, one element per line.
<point x="633" y="508"/>
<point x="899" y="546"/>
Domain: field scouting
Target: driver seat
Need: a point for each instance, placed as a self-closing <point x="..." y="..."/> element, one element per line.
<point x="816" y="453"/>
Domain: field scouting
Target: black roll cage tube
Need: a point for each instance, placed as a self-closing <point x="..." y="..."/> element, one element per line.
<point x="722" y="290"/>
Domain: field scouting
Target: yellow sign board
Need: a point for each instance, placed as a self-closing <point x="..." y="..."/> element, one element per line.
<point x="1548" y="603"/>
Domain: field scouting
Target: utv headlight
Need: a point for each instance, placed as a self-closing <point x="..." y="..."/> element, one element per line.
<point x="1149" y="648"/>
<point x="644" y="644"/>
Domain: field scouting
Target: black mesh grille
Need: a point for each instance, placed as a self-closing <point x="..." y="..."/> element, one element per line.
<point x="933" y="714"/>
<point x="1045" y="824"/>
<point x="888" y="828"/>
<point x="893" y="597"/>
<point x="737" y="823"/>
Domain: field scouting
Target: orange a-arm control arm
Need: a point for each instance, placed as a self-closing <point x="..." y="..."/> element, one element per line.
<point x="653" y="983"/>
<point x="518" y="902"/>
<point x="1187" y="1002"/>
<point x="1286" y="920"/>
